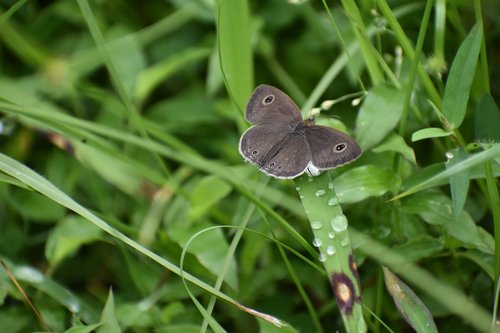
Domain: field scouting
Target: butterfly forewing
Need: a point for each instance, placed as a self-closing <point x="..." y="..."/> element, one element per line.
<point x="271" y="106"/>
<point x="330" y="148"/>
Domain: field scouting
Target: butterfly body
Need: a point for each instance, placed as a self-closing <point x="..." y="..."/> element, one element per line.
<point x="283" y="145"/>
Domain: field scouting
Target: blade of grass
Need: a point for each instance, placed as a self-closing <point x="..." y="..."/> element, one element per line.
<point x="473" y="160"/>
<point x="235" y="56"/>
<point x="406" y="44"/>
<point x="361" y="33"/>
<point x="329" y="226"/>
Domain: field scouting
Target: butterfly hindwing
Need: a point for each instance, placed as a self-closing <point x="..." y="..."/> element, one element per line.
<point x="275" y="150"/>
<point x="330" y="148"/>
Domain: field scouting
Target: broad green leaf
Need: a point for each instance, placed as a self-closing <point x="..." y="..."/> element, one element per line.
<point x="379" y="115"/>
<point x="459" y="183"/>
<point x="68" y="236"/>
<point x="362" y="182"/>
<point x="397" y="144"/>
<point x="429" y="133"/>
<point x="414" y="311"/>
<point x="420" y="248"/>
<point x="459" y="82"/>
<point x="436" y="208"/>
<point x="487" y="120"/>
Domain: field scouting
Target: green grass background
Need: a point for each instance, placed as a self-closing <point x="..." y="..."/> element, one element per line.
<point x="126" y="207"/>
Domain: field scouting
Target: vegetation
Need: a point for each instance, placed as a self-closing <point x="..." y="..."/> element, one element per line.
<point x="126" y="206"/>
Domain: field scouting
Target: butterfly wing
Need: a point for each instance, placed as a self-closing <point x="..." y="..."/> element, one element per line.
<point x="330" y="148"/>
<point x="270" y="105"/>
<point x="276" y="150"/>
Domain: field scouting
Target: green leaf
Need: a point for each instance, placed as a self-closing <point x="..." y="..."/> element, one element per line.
<point x="414" y="311"/>
<point x="209" y="248"/>
<point x="34" y="206"/>
<point x="487" y="120"/>
<point x="82" y="329"/>
<point x="206" y="194"/>
<point x="482" y="260"/>
<point x="439" y="178"/>
<point x="420" y="248"/>
<point x="459" y="82"/>
<point x="435" y="208"/>
<point x="153" y="76"/>
<point x="68" y="236"/>
<point x="397" y="144"/>
<point x="128" y="59"/>
<point x="179" y="328"/>
<point x="233" y="33"/>
<point x="266" y="327"/>
<point x="428" y="133"/>
<point x="108" y="317"/>
<point x="110" y="166"/>
<point x="360" y="183"/>
<point x="459" y="183"/>
<point x="379" y="115"/>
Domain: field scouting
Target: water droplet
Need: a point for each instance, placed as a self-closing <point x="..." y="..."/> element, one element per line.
<point x="344" y="242"/>
<point x="317" y="242"/>
<point x="382" y="231"/>
<point x="322" y="257"/>
<point x="316" y="225"/>
<point x="330" y="185"/>
<point x="330" y="250"/>
<point x="320" y="193"/>
<point x="301" y="196"/>
<point x="297" y="188"/>
<point x="331" y="235"/>
<point x="333" y="201"/>
<point x="339" y="223"/>
<point x="449" y="155"/>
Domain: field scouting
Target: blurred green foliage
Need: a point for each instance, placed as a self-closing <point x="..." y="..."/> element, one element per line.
<point x="133" y="110"/>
